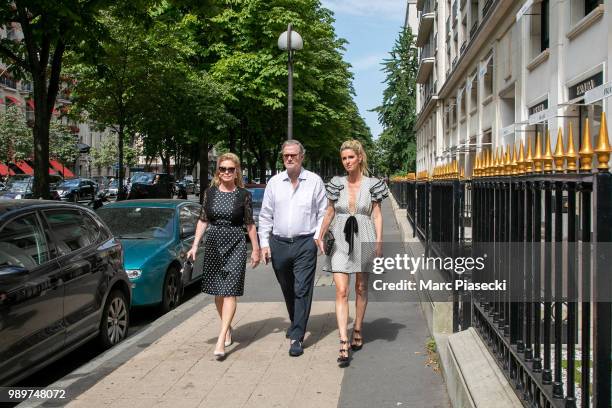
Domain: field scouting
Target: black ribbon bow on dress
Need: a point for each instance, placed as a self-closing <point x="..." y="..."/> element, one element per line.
<point x="350" y="229"/>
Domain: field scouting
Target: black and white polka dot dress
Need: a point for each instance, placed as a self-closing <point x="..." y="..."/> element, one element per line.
<point x="343" y="258"/>
<point x="225" y="253"/>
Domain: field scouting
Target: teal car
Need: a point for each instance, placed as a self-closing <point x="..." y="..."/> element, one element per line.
<point x="155" y="235"/>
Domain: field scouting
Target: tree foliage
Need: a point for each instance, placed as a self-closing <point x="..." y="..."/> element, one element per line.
<point x="49" y="28"/>
<point x="396" y="146"/>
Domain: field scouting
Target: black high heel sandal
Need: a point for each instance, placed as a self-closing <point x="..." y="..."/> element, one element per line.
<point x="359" y="339"/>
<point x="343" y="360"/>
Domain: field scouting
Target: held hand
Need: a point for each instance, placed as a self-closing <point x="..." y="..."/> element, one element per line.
<point x="255" y="257"/>
<point x="266" y="255"/>
<point x="191" y="254"/>
<point x="320" y="245"/>
<point x="379" y="249"/>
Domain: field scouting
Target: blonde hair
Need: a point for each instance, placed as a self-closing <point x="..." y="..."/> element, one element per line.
<point x="357" y="147"/>
<point x="238" y="173"/>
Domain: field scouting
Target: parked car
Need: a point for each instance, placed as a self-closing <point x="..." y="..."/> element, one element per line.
<point x="257" y="193"/>
<point x="150" y="185"/>
<point x="189" y="185"/>
<point x="77" y="189"/>
<point x="21" y="187"/>
<point x="62" y="283"/>
<point x="113" y="188"/>
<point x="156" y="235"/>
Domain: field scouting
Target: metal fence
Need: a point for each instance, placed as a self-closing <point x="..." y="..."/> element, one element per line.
<point x="541" y="221"/>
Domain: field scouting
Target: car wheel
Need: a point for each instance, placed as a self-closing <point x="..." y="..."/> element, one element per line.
<point x="171" y="291"/>
<point x="115" y="320"/>
<point x="75" y="197"/>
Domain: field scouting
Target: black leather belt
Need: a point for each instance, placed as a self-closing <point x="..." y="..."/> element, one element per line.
<point x="292" y="239"/>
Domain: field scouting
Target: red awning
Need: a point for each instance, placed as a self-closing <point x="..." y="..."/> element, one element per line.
<point x="5" y="170"/>
<point x="30" y="103"/>
<point x="61" y="168"/>
<point x="13" y="100"/>
<point x="25" y="167"/>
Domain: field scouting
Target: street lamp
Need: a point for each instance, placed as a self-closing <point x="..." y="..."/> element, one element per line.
<point x="290" y="41"/>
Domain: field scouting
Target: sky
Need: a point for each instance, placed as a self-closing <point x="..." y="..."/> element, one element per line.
<point x="371" y="28"/>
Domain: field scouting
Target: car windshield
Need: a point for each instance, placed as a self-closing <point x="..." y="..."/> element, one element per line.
<point x="142" y="178"/>
<point x="114" y="183"/>
<point x="70" y="183"/>
<point x="257" y="194"/>
<point x="139" y="222"/>
<point x="19" y="186"/>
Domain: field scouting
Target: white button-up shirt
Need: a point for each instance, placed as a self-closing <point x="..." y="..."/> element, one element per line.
<point x="289" y="212"/>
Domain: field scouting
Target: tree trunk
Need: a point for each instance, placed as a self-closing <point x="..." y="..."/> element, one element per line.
<point x="203" y="166"/>
<point x="41" y="155"/>
<point x="120" y="192"/>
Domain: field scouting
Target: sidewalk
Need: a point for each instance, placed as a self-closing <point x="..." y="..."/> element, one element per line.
<point x="178" y="369"/>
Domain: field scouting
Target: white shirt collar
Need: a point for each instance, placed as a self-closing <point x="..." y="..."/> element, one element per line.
<point x="302" y="176"/>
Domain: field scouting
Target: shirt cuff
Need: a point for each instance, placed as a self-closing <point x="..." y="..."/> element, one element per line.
<point x="264" y="241"/>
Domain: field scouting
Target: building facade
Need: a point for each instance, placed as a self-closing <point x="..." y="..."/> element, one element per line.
<point x="494" y="73"/>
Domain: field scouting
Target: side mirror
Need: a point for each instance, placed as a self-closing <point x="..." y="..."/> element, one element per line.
<point x="12" y="273"/>
<point x="187" y="231"/>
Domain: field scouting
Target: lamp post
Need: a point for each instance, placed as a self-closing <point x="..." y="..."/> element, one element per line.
<point x="290" y="41"/>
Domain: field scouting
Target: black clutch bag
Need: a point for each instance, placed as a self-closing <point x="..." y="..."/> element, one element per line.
<point x="329" y="240"/>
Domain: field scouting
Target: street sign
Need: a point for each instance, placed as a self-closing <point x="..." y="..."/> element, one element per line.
<point x="598" y="93"/>
<point x="538" y="117"/>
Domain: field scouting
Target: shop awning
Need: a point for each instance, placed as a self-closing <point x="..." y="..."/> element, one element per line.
<point x="5" y="170"/>
<point x="61" y="168"/>
<point x="12" y="100"/>
<point x="25" y="167"/>
<point x="30" y="103"/>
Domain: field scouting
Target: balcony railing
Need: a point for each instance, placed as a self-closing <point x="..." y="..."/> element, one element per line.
<point x="473" y="29"/>
<point x="25" y="86"/>
<point x="487" y="6"/>
<point x="463" y="46"/>
<point x="8" y="82"/>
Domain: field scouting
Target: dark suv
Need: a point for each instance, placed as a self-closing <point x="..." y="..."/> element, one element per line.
<point x="150" y="185"/>
<point x="62" y="283"/>
<point x="77" y="189"/>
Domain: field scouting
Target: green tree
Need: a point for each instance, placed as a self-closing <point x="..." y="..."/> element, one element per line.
<point x="62" y="143"/>
<point x="397" y="144"/>
<point x="50" y="28"/>
<point x="105" y="155"/>
<point x="239" y="48"/>
<point x="15" y="135"/>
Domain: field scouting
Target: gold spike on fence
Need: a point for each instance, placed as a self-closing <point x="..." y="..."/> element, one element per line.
<point x="570" y="154"/>
<point x="489" y="163"/>
<point x="547" y="159"/>
<point x="559" y="155"/>
<point x="603" y="148"/>
<point x="529" y="158"/>
<point x="521" y="159"/>
<point x="508" y="162"/>
<point x="586" y="150"/>
<point x="537" y="157"/>
<point x="513" y="163"/>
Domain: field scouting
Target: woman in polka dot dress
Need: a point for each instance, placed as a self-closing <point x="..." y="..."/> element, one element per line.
<point x="226" y="210"/>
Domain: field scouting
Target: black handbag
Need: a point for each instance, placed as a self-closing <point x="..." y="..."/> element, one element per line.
<point x="328" y="241"/>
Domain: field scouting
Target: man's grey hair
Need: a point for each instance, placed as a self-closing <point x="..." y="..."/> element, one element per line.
<point x="294" y="143"/>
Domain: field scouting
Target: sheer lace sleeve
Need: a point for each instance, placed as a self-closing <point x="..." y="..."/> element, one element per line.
<point x="333" y="188"/>
<point x="248" y="209"/>
<point x="203" y="217"/>
<point x="379" y="190"/>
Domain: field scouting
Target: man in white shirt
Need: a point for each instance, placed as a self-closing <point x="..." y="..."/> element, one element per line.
<point x="289" y="220"/>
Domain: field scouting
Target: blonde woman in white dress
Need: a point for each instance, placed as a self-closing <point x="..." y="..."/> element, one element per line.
<point x="354" y="217"/>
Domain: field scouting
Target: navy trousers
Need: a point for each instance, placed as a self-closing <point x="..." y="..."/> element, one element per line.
<point x="294" y="261"/>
